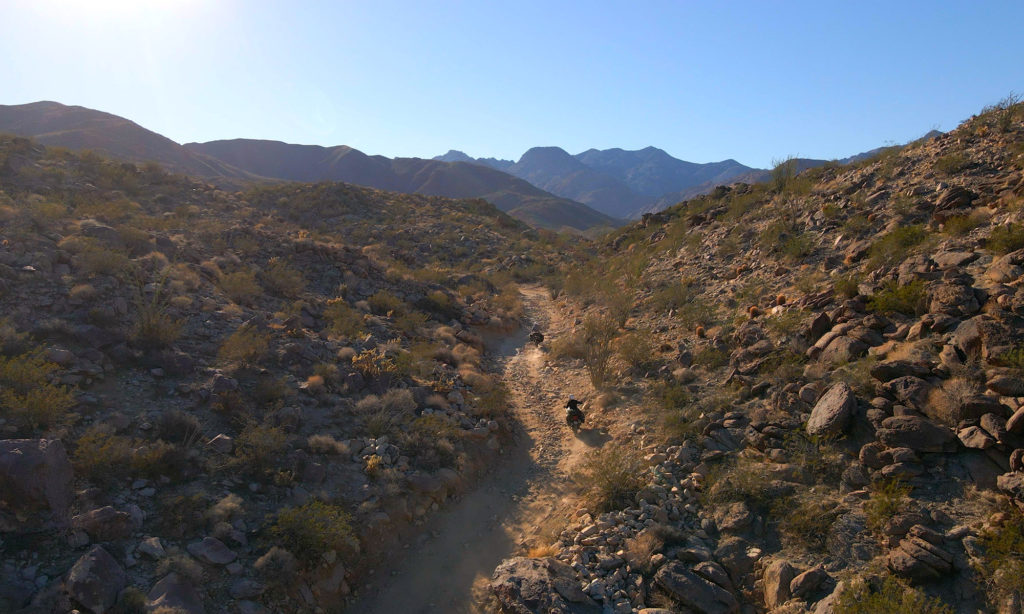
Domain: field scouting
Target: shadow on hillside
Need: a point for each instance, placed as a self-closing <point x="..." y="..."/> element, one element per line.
<point x="594" y="438"/>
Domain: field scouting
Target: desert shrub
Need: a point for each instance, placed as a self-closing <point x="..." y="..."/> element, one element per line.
<point x="277" y="567"/>
<point x="179" y="427"/>
<point x="857" y="375"/>
<point x="817" y="455"/>
<point x="1006" y="238"/>
<point x="411" y="321"/>
<point x="344" y="320"/>
<point x="847" y="286"/>
<point x="959" y="225"/>
<point x="711" y="358"/>
<point x="493" y="403"/>
<point x="228" y="507"/>
<point x="154" y="327"/>
<point x="610" y="477"/>
<point x="313" y="529"/>
<point x="270" y="391"/>
<point x="97" y="260"/>
<point x="27" y="395"/>
<point x="383" y="302"/>
<point x="241" y="287"/>
<point x="375" y="366"/>
<point x="783" y="173"/>
<point x="807" y="524"/>
<point x="950" y="164"/>
<point x="856" y="224"/>
<point x="258" y="446"/>
<point x="744" y="479"/>
<point x="182" y="515"/>
<point x="182" y="564"/>
<point x="1002" y="565"/>
<point x="598" y="333"/>
<point x="672" y="296"/>
<point x="895" y="246"/>
<point x="101" y="456"/>
<point x="131" y="600"/>
<point x="910" y="299"/>
<point x="797" y="246"/>
<point x="440" y="304"/>
<point x="641" y="548"/>
<point x="860" y="597"/>
<point x="281" y="279"/>
<point x="244" y="347"/>
<point x="567" y="347"/>
<point x="887" y="499"/>
<point x="326" y="444"/>
<point x="159" y="458"/>
<point x="12" y="341"/>
<point x="636" y="349"/>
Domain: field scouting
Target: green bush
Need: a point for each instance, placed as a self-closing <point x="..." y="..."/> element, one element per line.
<point x="243" y="347"/>
<point x="241" y="287"/>
<point x="847" y="286"/>
<point x="951" y="164"/>
<point x="1006" y="238"/>
<point x="598" y="333"/>
<point x="959" y="225"/>
<point x="860" y="597"/>
<point x="282" y="279"/>
<point x="1002" y="566"/>
<point x="636" y="349"/>
<point x="314" y="529"/>
<point x="711" y="358"/>
<point x="910" y="299"/>
<point x="27" y="394"/>
<point x="258" y="446"/>
<point x="610" y="477"/>
<point x="895" y="246"/>
<point x="887" y="499"/>
<point x="344" y="320"/>
<point x="101" y="456"/>
<point x="807" y="524"/>
<point x="383" y="302"/>
<point x="744" y="479"/>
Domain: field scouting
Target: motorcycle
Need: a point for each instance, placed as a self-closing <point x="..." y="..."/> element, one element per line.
<point x="536" y="337"/>
<point x="574" y="419"/>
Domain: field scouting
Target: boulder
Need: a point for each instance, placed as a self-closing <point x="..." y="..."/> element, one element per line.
<point x="95" y="580"/>
<point x="808" y="582"/>
<point x="777" y="578"/>
<point x="736" y="517"/>
<point x="976" y="438"/>
<point x="1012" y="484"/>
<point x="175" y="593"/>
<point x="909" y="390"/>
<point x="1007" y="385"/>
<point x="105" y="523"/>
<point x="891" y="369"/>
<point x="914" y="432"/>
<point x="35" y="484"/>
<point x="1015" y="423"/>
<point x="953" y="299"/>
<point x="534" y="586"/>
<point x="832" y="412"/>
<point x="694" y="592"/>
<point x="211" y="550"/>
<point x="919" y="560"/>
<point x="843" y="350"/>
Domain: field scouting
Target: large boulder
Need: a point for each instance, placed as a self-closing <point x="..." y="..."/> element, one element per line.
<point x="777" y="578"/>
<point x="919" y="558"/>
<point x="694" y="592"/>
<point x="35" y="484"/>
<point x="95" y="580"/>
<point x="832" y="412"/>
<point x="843" y="350"/>
<point x="534" y="586"/>
<point x="914" y="432"/>
<point x="105" y="523"/>
<point x="176" y="594"/>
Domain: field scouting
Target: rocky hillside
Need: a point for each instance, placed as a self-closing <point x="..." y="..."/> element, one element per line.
<point x="830" y="369"/>
<point x="235" y="402"/>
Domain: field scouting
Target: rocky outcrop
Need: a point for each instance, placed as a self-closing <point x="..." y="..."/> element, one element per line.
<point x="539" y="586"/>
<point x="694" y="592"/>
<point x="35" y="484"/>
<point x="95" y="580"/>
<point x="175" y="593"/>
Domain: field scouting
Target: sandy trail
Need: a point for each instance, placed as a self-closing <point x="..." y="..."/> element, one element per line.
<point x="521" y="503"/>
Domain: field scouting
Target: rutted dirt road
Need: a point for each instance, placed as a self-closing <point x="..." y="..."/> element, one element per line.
<point x="522" y="503"/>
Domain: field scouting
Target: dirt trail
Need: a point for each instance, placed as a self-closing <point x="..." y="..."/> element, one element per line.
<point x="522" y="503"/>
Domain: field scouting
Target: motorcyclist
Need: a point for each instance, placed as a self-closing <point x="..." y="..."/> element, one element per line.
<point x="572" y="410"/>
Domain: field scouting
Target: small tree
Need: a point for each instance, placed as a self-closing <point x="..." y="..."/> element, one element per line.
<point x="598" y="333"/>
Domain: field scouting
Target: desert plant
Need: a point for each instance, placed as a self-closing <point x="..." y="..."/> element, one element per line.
<point x="313" y="529"/>
<point x="891" y="595"/>
<point x="783" y="173"/>
<point x="611" y="476"/>
<point x="244" y="347"/>
<point x="241" y="287"/>
<point x="950" y="164"/>
<point x="282" y="279"/>
<point x="910" y="299"/>
<point x="344" y="320"/>
<point x="888" y="498"/>
<point x="847" y="286"/>
<point x="744" y="479"/>
<point x="383" y="302"/>
<point x="598" y="333"/>
<point x="27" y="394"/>
<point x="1002" y="565"/>
<point x="101" y="455"/>
<point x="257" y="446"/>
<point x="807" y="524"/>
<point x="895" y="246"/>
<point x="636" y="349"/>
<point x="1006" y="238"/>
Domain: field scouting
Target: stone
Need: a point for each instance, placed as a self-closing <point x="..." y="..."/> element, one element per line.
<point x="808" y="582"/>
<point x="919" y="560"/>
<point x="35" y="484"/>
<point x="105" y="523"/>
<point x="892" y="369"/>
<point x="222" y="443"/>
<point x="909" y="390"/>
<point x="1017" y="460"/>
<point x="245" y="588"/>
<point x="175" y="593"/>
<point x="914" y="432"/>
<point x="710" y="570"/>
<point x="152" y="548"/>
<point x="95" y="580"/>
<point x="777" y="578"/>
<point x="1006" y="385"/>
<point x="1015" y="423"/>
<point x="694" y="592"/>
<point x="736" y="517"/>
<point x="871" y="455"/>
<point x="525" y="586"/>
<point x="211" y="550"/>
<point x="1012" y="484"/>
<point x="831" y="414"/>
<point x="843" y="350"/>
<point x="976" y="438"/>
<point x="994" y="426"/>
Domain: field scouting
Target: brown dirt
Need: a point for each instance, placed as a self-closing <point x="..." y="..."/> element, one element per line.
<point x="521" y="504"/>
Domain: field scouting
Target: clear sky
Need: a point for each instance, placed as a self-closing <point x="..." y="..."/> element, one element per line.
<point x="703" y="80"/>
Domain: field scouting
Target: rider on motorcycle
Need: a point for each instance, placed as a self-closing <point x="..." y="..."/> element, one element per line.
<point x="573" y="411"/>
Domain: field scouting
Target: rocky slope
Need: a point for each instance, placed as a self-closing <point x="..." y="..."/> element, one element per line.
<point x="830" y="366"/>
<point x="234" y="402"/>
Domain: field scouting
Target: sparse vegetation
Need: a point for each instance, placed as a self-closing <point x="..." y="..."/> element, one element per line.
<point x="910" y="299"/>
<point x="28" y="394"/>
<point x="890" y="595"/>
<point x="887" y="498"/>
<point x="610" y="477"/>
<point x="1006" y="238"/>
<point x="313" y="529"/>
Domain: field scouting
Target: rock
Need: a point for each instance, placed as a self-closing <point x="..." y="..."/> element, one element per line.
<point x="1012" y="484"/>
<point x="1006" y="385"/>
<point x="35" y="484"/>
<point x="1015" y="423"/>
<point x="953" y="260"/>
<point x="843" y="350"/>
<point x="245" y="588"/>
<point x="95" y="580"/>
<point x="919" y="560"/>
<point x="994" y="426"/>
<point x="710" y="570"/>
<point x="777" y="577"/>
<point x="534" y="586"/>
<point x="694" y="592"/>
<point x="1017" y="460"/>
<point x="808" y="582"/>
<point x="152" y="548"/>
<point x="176" y="594"/>
<point x="222" y="443"/>
<point x="953" y="299"/>
<point x="738" y="556"/>
<point x="976" y="438"/>
<point x="909" y="390"/>
<point x="871" y="455"/>
<point x="733" y="518"/>
<point x="211" y="550"/>
<point x="914" y="432"/>
<point x="105" y="523"/>
<point x="832" y="412"/>
<point x="892" y="369"/>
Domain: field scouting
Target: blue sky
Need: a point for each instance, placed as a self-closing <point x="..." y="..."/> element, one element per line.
<point x="753" y="81"/>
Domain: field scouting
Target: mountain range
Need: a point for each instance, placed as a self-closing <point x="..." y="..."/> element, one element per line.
<point x="546" y="188"/>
